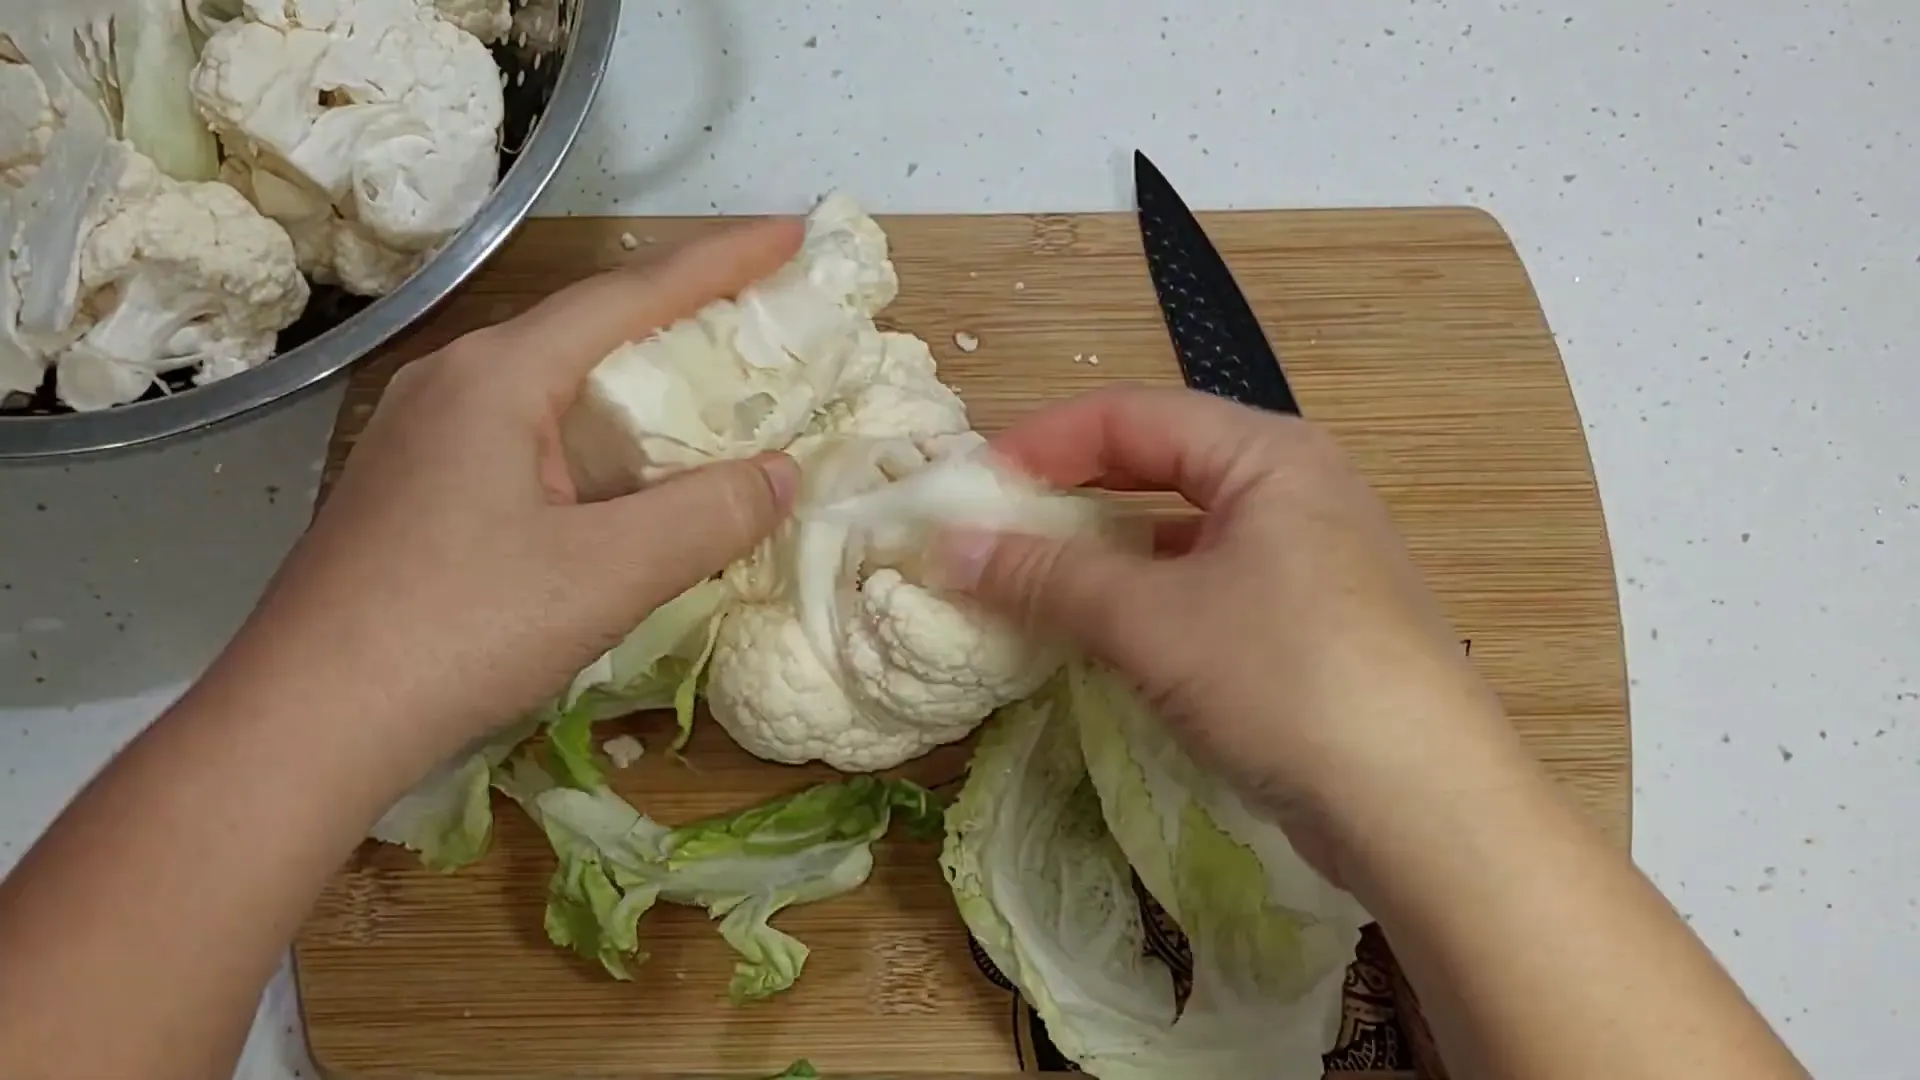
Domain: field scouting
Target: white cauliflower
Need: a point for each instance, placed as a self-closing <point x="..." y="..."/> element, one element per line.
<point x="331" y="250"/>
<point x="832" y="644"/>
<point x="128" y="59"/>
<point x="176" y="275"/>
<point x="838" y="650"/>
<point x="772" y="693"/>
<point x="112" y="272"/>
<point x="742" y="376"/>
<point x="380" y="110"/>
<point x="488" y="20"/>
<point x="27" y="123"/>
<point x="892" y="392"/>
<point x="22" y="366"/>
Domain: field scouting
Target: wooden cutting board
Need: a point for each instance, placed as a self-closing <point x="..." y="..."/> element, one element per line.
<point x="1414" y="334"/>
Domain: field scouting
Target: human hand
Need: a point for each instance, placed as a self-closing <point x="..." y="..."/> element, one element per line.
<point x="1285" y="634"/>
<point x="452" y="575"/>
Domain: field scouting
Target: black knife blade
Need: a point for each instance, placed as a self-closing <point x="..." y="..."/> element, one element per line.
<point x="1221" y="347"/>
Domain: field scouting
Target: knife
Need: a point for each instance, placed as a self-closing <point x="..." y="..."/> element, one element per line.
<point x="1221" y="347"/>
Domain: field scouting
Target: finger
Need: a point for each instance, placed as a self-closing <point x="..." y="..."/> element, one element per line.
<point x="1136" y="438"/>
<point x="1078" y="587"/>
<point x="559" y="340"/>
<point x="1176" y="536"/>
<point x="689" y="528"/>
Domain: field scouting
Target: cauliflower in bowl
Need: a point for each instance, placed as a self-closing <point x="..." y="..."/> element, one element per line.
<point x="175" y="176"/>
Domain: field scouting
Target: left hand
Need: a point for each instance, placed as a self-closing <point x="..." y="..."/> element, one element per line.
<point x="453" y="578"/>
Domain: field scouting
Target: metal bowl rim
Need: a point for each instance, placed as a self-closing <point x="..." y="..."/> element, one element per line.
<point x="287" y="376"/>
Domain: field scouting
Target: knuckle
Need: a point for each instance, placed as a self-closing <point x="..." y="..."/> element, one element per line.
<point x="1025" y="575"/>
<point x="747" y="501"/>
<point x="469" y="358"/>
<point x="455" y="376"/>
<point x="1302" y="454"/>
<point x="405" y="381"/>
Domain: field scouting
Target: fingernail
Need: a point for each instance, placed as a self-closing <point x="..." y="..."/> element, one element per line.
<point x="960" y="558"/>
<point x="783" y="476"/>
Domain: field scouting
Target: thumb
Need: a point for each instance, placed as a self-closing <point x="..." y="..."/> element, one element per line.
<point x="688" y="528"/>
<point x="1082" y="587"/>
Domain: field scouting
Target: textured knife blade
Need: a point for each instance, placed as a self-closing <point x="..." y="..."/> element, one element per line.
<point x="1221" y="347"/>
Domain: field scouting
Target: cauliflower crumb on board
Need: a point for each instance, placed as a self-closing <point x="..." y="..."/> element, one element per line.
<point x="623" y="751"/>
<point x="965" y="342"/>
<point x="629" y="242"/>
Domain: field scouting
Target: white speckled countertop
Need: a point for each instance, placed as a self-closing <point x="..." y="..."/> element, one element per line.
<point x="1715" y="202"/>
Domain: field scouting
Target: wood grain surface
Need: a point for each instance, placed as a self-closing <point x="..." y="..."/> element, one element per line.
<point x="1414" y="334"/>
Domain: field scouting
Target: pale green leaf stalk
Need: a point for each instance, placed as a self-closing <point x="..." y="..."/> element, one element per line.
<point x="448" y="817"/>
<point x="658" y="666"/>
<point x="1271" y="938"/>
<point x="744" y="868"/>
<point x="1049" y="896"/>
<point x="769" y="962"/>
<point x="154" y="56"/>
<point x="595" y="898"/>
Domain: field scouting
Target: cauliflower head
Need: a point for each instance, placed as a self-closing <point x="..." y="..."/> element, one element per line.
<point x="176" y="275"/>
<point x="833" y="644"/>
<point x="380" y="111"/>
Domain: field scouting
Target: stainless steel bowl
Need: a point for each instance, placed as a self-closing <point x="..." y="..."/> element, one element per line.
<point x="549" y="90"/>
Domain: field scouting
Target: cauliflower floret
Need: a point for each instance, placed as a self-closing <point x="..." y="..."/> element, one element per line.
<point x="847" y="256"/>
<point x="770" y="691"/>
<point x="838" y="650"/>
<point x="305" y="214"/>
<point x="740" y="376"/>
<point x="488" y="20"/>
<point x="176" y="275"/>
<point x="27" y="123"/>
<point x="380" y="108"/>
<point x="891" y="391"/>
<point x="210" y="15"/>
<point x="331" y="249"/>
<point x="943" y="661"/>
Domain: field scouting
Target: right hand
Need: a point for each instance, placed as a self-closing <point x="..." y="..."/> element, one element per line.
<point x="1285" y="635"/>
